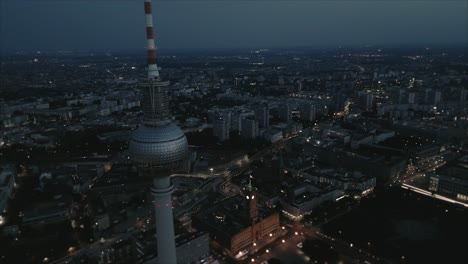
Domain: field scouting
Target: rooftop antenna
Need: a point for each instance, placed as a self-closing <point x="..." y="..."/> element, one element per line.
<point x="153" y="72"/>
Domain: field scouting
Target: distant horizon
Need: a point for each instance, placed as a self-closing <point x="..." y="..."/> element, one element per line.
<point x="251" y="48"/>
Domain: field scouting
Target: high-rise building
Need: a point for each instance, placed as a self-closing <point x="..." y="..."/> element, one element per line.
<point x="340" y="98"/>
<point x="221" y="129"/>
<point x="227" y="116"/>
<point x="307" y="112"/>
<point x="412" y="98"/>
<point x="281" y="80"/>
<point x="365" y="99"/>
<point x="300" y="86"/>
<point x="7" y="182"/>
<point x="249" y="127"/>
<point x="463" y="95"/>
<point x="237" y="82"/>
<point x="437" y="97"/>
<point x="236" y="122"/>
<point x="236" y="118"/>
<point x="158" y="147"/>
<point x="285" y="112"/>
<point x="427" y="95"/>
<point x="401" y="96"/>
<point x="262" y="113"/>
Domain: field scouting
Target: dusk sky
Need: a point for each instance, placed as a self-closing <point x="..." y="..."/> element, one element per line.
<point x="119" y="24"/>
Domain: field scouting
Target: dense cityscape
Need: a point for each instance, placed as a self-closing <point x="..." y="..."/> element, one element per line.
<point x="349" y="154"/>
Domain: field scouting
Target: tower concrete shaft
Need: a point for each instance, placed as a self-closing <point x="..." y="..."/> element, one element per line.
<point x="162" y="190"/>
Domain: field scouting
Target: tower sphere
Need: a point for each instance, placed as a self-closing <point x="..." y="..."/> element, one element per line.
<point x="158" y="146"/>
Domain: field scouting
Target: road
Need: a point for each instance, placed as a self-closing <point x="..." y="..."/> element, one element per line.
<point x="288" y="248"/>
<point x="418" y="182"/>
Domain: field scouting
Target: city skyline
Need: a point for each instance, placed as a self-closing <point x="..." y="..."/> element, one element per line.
<point x="99" y="25"/>
<point x="209" y="152"/>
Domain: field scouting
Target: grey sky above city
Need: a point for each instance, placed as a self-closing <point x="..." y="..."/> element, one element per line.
<point x="119" y="24"/>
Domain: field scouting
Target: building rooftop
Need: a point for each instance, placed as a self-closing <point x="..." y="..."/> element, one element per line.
<point x="229" y="217"/>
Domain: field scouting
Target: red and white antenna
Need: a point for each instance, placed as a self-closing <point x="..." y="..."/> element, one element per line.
<point x="153" y="73"/>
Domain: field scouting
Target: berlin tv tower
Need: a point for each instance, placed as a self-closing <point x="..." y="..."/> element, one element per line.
<point x="158" y="147"/>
